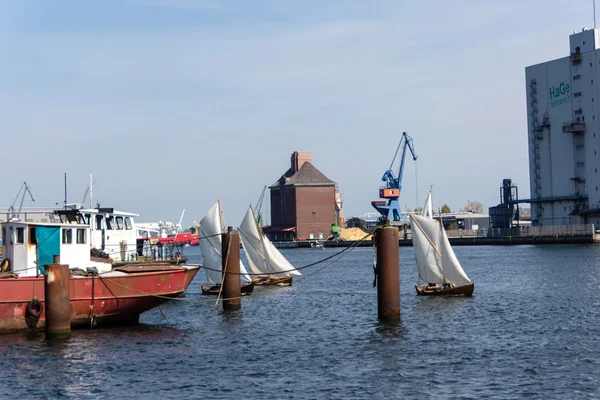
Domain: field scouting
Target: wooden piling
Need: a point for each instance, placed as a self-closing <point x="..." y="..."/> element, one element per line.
<point x="57" y="298"/>
<point x="388" y="273"/>
<point x="230" y="250"/>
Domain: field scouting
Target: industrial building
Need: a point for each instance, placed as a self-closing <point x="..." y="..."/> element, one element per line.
<point x="305" y="204"/>
<point x="563" y="103"/>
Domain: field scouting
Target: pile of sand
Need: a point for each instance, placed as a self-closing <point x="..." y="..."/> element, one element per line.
<point x="353" y="234"/>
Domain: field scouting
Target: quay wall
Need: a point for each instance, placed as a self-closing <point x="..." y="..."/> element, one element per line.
<point x="465" y="241"/>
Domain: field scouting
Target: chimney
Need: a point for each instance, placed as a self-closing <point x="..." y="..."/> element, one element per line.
<point x="298" y="160"/>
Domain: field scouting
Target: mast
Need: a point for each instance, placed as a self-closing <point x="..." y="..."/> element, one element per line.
<point x="221" y="218"/>
<point x="65" y="190"/>
<point x="92" y="215"/>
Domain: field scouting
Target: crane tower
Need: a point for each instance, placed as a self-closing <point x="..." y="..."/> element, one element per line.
<point x="389" y="208"/>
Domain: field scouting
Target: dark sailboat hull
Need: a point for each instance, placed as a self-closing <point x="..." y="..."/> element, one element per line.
<point x="461" y="290"/>
<point x="215" y="289"/>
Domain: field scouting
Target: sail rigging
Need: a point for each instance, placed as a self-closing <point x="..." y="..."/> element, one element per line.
<point x="211" y="227"/>
<point x="436" y="261"/>
<point x="263" y="257"/>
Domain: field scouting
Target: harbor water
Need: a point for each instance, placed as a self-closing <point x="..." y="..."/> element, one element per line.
<point x="530" y="330"/>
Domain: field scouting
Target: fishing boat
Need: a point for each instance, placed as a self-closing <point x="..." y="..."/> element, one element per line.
<point x="436" y="263"/>
<point x="99" y="293"/>
<point x="269" y="265"/>
<point x="211" y="227"/>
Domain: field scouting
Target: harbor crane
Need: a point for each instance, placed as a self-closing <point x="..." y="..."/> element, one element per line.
<point x="25" y="189"/>
<point x="258" y="206"/>
<point x="389" y="208"/>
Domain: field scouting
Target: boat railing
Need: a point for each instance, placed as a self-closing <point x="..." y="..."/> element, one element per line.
<point x="526" y="231"/>
<point x="550" y="230"/>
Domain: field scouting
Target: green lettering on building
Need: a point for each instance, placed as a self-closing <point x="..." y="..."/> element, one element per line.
<point x="560" y="94"/>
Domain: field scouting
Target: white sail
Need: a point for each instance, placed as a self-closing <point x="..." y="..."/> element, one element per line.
<point x="436" y="262"/>
<point x="252" y="243"/>
<point x="210" y="245"/>
<point x="211" y="227"/>
<point x="428" y="208"/>
<point x="263" y="257"/>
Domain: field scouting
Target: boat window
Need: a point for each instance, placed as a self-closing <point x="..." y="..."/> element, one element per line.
<point x="109" y="223"/>
<point x="32" y="237"/>
<point x="81" y="236"/>
<point x="119" y="221"/>
<point x="12" y="231"/>
<point x="4" y="235"/>
<point x="128" y="223"/>
<point x="20" y="235"/>
<point x="67" y="236"/>
<point x="99" y="222"/>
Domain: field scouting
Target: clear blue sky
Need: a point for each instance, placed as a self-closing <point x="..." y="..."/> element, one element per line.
<point x="174" y="103"/>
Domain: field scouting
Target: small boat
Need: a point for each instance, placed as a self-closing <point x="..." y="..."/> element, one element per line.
<point x="269" y="265"/>
<point x="99" y="293"/>
<point x="436" y="263"/>
<point x="211" y="227"/>
<point x="317" y="245"/>
<point x="215" y="289"/>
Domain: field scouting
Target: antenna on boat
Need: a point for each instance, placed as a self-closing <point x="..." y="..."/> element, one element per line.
<point x="65" y="190"/>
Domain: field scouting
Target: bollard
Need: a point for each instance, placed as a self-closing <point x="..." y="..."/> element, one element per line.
<point x="230" y="250"/>
<point x="388" y="273"/>
<point x="57" y="297"/>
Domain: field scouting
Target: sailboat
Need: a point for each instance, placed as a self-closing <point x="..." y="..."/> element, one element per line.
<point x="271" y="267"/>
<point x="436" y="263"/>
<point x="210" y="229"/>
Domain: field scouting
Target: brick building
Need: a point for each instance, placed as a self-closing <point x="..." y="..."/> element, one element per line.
<point x="304" y="202"/>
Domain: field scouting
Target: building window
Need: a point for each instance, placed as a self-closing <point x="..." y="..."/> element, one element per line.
<point x="119" y="221"/>
<point x="20" y="239"/>
<point x="576" y="77"/>
<point x="32" y="237"/>
<point x="81" y="236"/>
<point x="128" y="223"/>
<point x="592" y="81"/>
<point x="67" y="236"/>
<point x="590" y="64"/>
<point x="577" y="94"/>
<point x="311" y="235"/>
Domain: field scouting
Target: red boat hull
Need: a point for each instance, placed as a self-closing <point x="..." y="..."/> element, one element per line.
<point x="95" y="300"/>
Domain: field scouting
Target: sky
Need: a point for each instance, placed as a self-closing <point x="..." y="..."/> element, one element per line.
<point x="173" y="104"/>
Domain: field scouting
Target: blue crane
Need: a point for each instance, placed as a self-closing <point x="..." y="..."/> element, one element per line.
<point x="390" y="210"/>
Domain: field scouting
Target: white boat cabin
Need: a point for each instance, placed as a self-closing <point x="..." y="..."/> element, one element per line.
<point x="28" y="246"/>
<point x="113" y="232"/>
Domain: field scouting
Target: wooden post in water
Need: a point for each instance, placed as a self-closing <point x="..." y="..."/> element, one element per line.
<point x="388" y="272"/>
<point x="230" y="250"/>
<point x="57" y="298"/>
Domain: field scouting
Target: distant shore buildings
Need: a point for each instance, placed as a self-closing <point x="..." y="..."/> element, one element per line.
<point x="563" y="103"/>
<point x="304" y="202"/>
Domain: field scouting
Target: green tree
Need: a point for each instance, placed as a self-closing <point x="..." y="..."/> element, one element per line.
<point x="446" y="209"/>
